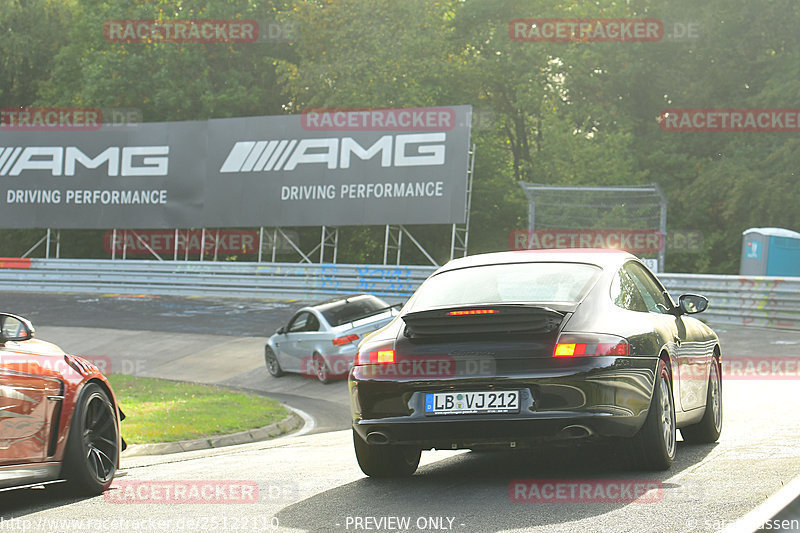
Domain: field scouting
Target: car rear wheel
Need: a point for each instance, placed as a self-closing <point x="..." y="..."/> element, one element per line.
<point x="273" y="366"/>
<point x="710" y="426"/>
<point x="385" y="460"/>
<point x="92" y="453"/>
<point x="653" y="447"/>
<point x="321" y="369"/>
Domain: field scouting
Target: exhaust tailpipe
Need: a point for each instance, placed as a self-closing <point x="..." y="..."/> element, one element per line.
<point x="576" y="432"/>
<point x="377" y="438"/>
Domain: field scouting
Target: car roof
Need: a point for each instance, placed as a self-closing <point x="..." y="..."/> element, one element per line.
<point x="605" y="258"/>
<point x="341" y="299"/>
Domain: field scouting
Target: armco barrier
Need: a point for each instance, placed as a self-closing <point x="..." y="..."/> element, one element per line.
<point x="735" y="300"/>
<point x="203" y="278"/>
<point x="742" y="300"/>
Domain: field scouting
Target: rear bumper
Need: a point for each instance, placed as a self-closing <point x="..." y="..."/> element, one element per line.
<point x="592" y="397"/>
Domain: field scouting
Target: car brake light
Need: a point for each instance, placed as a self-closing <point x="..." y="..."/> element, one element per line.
<point x="474" y="312"/>
<point x="591" y="345"/>
<point x="341" y="341"/>
<point x="375" y="357"/>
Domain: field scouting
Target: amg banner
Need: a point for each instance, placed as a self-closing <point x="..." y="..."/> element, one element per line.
<point x="332" y="167"/>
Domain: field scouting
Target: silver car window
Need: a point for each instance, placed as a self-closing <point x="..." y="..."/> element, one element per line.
<point x="298" y="323"/>
<point x="304" y="321"/>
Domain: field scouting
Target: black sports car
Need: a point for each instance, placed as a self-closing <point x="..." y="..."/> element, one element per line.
<point x="512" y="349"/>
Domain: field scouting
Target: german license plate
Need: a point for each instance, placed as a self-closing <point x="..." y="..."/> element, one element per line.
<point x="471" y="402"/>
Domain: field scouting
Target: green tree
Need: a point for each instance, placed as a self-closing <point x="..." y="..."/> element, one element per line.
<point x="31" y="32"/>
<point x="167" y="81"/>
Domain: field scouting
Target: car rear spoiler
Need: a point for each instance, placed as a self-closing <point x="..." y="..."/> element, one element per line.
<point x="514" y="319"/>
<point x="372" y="313"/>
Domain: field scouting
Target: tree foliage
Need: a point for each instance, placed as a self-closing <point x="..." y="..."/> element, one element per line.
<point x="569" y="113"/>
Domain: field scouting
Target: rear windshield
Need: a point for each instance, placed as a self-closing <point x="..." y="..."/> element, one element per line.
<point x="508" y="283"/>
<point x="343" y="311"/>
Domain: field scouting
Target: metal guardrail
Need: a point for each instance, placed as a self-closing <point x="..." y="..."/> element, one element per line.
<point x="735" y="300"/>
<point x="275" y="280"/>
<point x="742" y="300"/>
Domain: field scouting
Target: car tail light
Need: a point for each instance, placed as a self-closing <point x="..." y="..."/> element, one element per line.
<point x="374" y="357"/>
<point x="571" y="345"/>
<point x="341" y="341"/>
<point x="463" y="312"/>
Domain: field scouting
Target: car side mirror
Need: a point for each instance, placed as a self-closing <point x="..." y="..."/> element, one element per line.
<point x="281" y="330"/>
<point x="14" y="328"/>
<point x="690" y="304"/>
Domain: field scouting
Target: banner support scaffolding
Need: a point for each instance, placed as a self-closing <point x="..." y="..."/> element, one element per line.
<point x="459" y="238"/>
<point x="46" y="240"/>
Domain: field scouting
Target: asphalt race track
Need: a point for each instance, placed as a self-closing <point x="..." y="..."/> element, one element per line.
<point x="311" y="482"/>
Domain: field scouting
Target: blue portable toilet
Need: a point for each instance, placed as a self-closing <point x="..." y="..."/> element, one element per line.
<point x="770" y="252"/>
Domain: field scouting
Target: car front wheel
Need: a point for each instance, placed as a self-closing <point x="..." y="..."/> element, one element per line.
<point x="92" y="453"/>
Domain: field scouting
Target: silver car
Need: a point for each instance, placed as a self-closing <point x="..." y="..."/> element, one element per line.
<point x="322" y="340"/>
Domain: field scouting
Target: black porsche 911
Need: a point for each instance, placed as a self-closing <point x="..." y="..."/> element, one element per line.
<point x="513" y="349"/>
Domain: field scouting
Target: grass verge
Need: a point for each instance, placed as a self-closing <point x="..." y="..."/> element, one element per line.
<point x="160" y="410"/>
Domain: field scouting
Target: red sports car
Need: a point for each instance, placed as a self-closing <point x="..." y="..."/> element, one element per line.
<point x="59" y="420"/>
